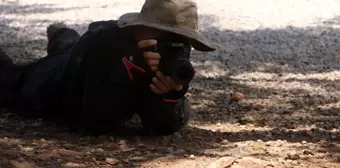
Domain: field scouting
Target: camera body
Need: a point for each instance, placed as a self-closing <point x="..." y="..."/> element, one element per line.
<point x="175" y="61"/>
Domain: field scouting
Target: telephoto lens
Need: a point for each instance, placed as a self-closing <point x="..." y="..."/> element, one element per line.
<point x="182" y="72"/>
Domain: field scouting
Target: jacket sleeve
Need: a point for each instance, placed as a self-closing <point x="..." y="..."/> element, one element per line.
<point x="108" y="87"/>
<point x="165" y="114"/>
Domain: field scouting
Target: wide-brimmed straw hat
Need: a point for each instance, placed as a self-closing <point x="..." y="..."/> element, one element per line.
<point x="175" y="16"/>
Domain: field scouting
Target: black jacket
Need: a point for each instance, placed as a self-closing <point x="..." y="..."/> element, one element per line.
<point x="99" y="93"/>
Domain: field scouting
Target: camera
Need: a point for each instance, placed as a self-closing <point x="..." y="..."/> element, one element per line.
<point x="175" y="61"/>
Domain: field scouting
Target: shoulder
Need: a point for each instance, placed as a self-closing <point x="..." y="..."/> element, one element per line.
<point x="108" y="34"/>
<point x="103" y="24"/>
<point x="107" y="40"/>
<point x="103" y="32"/>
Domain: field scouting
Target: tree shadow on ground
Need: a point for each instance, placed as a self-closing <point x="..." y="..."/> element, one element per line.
<point x="289" y="78"/>
<point x="256" y="64"/>
<point x="291" y="49"/>
<point x="24" y="40"/>
<point x="277" y="108"/>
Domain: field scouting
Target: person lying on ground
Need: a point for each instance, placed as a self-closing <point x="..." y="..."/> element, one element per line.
<point x="138" y="64"/>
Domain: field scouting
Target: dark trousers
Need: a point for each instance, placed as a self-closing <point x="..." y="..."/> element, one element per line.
<point x="39" y="85"/>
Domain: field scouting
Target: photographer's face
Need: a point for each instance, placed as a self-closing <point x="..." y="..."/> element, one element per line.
<point x="144" y="33"/>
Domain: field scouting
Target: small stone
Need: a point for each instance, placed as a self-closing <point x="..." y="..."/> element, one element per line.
<point x="99" y="150"/>
<point x="293" y="156"/>
<point x="119" y="165"/>
<point x="27" y="149"/>
<point x="192" y="156"/>
<point x="177" y="135"/>
<point x="307" y="152"/>
<point x="278" y="143"/>
<point x="224" y="142"/>
<point x="270" y="165"/>
<point x="295" y="162"/>
<point x="72" y="164"/>
<point x="242" y="126"/>
<point x="258" y="107"/>
<point x="269" y="135"/>
<point x="311" y="147"/>
<point x="179" y="152"/>
<point x="276" y="131"/>
<point x="112" y="138"/>
<point x="169" y="155"/>
<point x="141" y="145"/>
<point x="304" y="142"/>
<point x="222" y="162"/>
<point x="87" y="153"/>
<point x="324" y="143"/>
<point x="111" y="161"/>
<point x="309" y="132"/>
<point x="284" y="111"/>
<point x="268" y="143"/>
<point x="169" y="150"/>
<point x="137" y="158"/>
<point x="122" y="142"/>
<point x="218" y="124"/>
<point x="333" y="137"/>
<point x="21" y="159"/>
<point x="289" y="161"/>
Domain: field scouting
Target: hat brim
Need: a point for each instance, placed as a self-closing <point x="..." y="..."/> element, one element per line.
<point x="198" y="42"/>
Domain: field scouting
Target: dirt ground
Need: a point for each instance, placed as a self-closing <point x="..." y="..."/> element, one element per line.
<point x="280" y="54"/>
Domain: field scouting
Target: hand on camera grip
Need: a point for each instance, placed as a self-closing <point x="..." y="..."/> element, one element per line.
<point x="152" y="58"/>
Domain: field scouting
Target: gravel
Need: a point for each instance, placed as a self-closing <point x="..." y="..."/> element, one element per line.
<point x="281" y="56"/>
